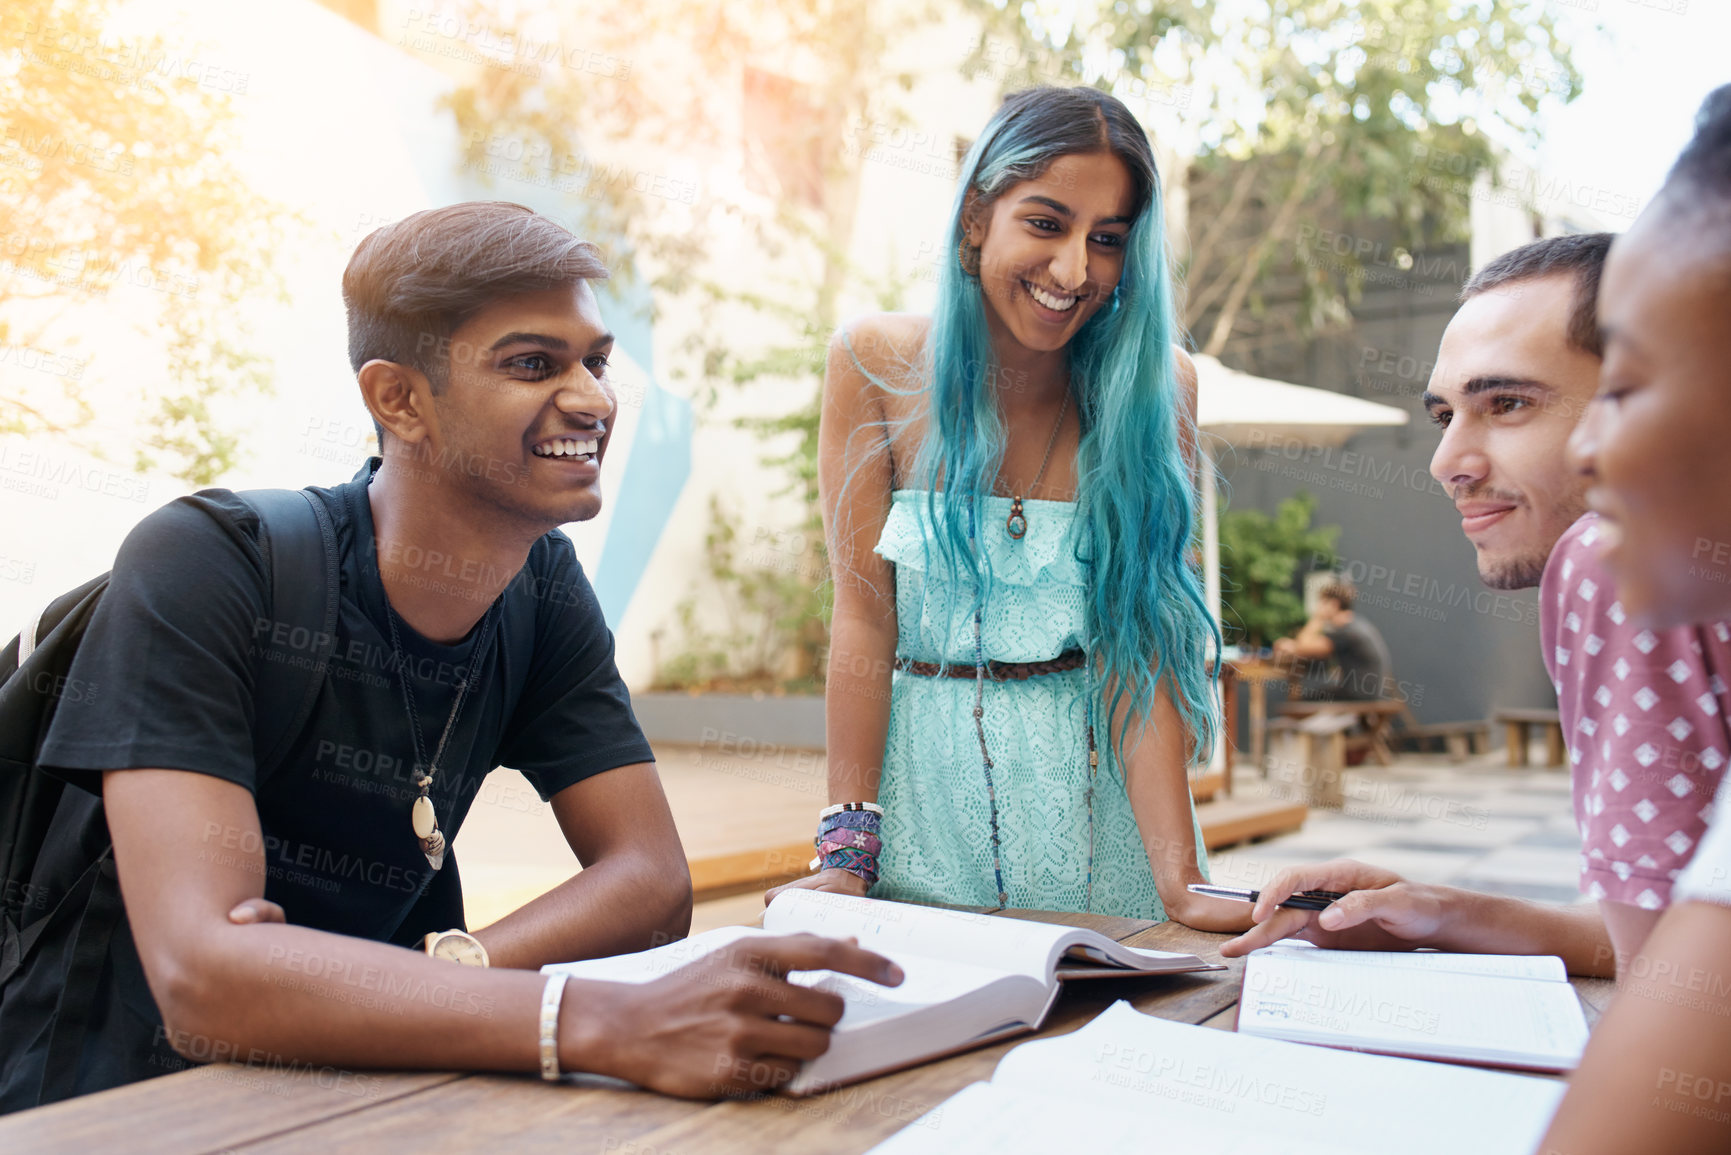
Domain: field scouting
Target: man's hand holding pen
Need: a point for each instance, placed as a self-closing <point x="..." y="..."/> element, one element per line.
<point x="1379" y="910"/>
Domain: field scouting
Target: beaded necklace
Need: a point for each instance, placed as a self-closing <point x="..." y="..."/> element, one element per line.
<point x="986" y="764"/>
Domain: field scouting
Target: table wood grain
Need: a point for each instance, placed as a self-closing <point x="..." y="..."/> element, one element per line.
<point x="232" y="1110"/>
<point x="208" y="1108"/>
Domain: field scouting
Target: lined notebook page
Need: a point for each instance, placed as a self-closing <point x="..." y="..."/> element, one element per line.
<point x="1415" y="1011"/>
<point x="1519" y="966"/>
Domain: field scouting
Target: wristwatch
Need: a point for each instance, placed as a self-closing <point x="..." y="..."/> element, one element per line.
<point x="456" y="946"/>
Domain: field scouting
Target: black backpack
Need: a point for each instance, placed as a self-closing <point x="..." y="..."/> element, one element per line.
<point x="300" y="549"/>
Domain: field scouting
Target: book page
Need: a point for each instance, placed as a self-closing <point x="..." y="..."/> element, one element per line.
<point x="987" y="1117"/>
<point x="1521" y="966"/>
<point x="1224" y="1092"/>
<point x="1007" y="944"/>
<point x="1131" y="957"/>
<point x="648" y="965"/>
<point x="1444" y="1014"/>
<point x="927" y="981"/>
<point x="1013" y="945"/>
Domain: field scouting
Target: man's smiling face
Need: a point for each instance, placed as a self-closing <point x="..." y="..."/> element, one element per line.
<point x="527" y="397"/>
<point x="1507" y="390"/>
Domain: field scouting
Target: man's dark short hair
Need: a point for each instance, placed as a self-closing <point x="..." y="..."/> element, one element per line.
<point x="1342" y="592"/>
<point x="1580" y="254"/>
<point x="412" y="284"/>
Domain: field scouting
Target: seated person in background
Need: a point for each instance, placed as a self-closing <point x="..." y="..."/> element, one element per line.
<point x="280" y="919"/>
<point x="1641" y="709"/>
<point x="1351" y="652"/>
<point x="1657" y="1072"/>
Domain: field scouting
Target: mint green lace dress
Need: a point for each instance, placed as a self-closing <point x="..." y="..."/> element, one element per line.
<point x="937" y="823"/>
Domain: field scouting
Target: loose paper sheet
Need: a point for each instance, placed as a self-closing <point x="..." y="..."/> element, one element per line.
<point x="1132" y="1079"/>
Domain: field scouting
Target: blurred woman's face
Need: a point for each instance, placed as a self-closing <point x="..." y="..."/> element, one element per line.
<point x="1052" y="249"/>
<point x="1654" y="443"/>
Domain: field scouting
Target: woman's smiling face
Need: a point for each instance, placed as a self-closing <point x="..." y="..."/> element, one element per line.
<point x="1052" y="248"/>
<point x="1654" y="443"/>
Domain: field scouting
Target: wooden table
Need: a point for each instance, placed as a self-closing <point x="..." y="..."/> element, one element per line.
<point x="1256" y="675"/>
<point x="227" y="1108"/>
<point x="1376" y="716"/>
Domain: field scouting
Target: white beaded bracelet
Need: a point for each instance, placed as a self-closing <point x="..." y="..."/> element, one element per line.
<point x="839" y="807"/>
<point x="551" y="996"/>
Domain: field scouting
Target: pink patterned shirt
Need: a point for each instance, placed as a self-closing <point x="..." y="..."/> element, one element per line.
<point x="1644" y="715"/>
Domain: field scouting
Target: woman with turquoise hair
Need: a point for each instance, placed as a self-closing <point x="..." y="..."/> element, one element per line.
<point x="1018" y="674"/>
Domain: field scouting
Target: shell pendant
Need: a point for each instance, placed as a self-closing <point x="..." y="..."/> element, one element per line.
<point x="427" y="832"/>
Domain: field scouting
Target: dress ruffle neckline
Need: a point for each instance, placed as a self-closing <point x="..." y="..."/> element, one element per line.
<point x="1047" y="553"/>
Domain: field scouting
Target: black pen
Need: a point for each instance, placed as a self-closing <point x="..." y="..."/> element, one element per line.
<point x="1300" y="900"/>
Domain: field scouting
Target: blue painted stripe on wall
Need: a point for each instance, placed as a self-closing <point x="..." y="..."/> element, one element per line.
<point x="658" y="468"/>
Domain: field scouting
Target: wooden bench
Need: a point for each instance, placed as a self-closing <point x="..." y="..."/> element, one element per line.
<point x="1312" y="758"/>
<point x="1376" y="716"/>
<point x="1459" y="739"/>
<point x="728" y="874"/>
<point x="1517" y="721"/>
<point x="1229" y="821"/>
<point x="1224" y="822"/>
<point x="1206" y="785"/>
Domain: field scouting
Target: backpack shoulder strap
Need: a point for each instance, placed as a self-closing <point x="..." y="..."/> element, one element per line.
<point x="295" y="644"/>
<point x="300" y="549"/>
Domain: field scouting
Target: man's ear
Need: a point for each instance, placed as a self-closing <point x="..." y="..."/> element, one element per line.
<point x="974" y="213"/>
<point x="399" y="398"/>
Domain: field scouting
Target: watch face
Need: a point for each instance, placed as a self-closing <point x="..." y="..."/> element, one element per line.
<point x="459" y="948"/>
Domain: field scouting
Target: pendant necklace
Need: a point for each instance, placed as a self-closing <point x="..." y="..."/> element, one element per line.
<point x="422" y="819"/>
<point x="1017" y="523"/>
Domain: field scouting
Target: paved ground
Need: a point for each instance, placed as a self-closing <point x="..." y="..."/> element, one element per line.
<point x="1475" y="824"/>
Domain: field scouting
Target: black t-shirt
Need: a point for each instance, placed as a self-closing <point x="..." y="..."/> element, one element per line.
<point x="172" y="646"/>
<point x="1360" y="660"/>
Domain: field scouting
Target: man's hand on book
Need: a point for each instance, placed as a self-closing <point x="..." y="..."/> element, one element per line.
<point x="834" y="880"/>
<point x="728" y="1025"/>
<point x="1382" y="911"/>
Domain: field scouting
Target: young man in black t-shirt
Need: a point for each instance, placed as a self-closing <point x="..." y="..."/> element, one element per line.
<point x="267" y="920"/>
<point x="1353" y="655"/>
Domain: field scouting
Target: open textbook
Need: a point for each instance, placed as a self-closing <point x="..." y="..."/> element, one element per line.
<point x="1497" y="1010"/>
<point x="970" y="979"/>
<point x="1131" y="1082"/>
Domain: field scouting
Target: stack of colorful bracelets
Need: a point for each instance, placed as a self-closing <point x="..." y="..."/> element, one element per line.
<point x="847" y="839"/>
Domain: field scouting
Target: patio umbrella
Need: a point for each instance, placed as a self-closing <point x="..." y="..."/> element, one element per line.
<point x="1257" y="413"/>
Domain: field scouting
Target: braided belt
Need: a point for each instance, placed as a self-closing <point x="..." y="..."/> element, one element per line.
<point x="997" y="671"/>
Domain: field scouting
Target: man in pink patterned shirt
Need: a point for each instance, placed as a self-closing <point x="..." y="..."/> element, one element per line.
<point x="1644" y="712"/>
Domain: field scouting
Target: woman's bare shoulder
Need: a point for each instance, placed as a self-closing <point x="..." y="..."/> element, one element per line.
<point x="884" y="345"/>
<point x="1186" y="367"/>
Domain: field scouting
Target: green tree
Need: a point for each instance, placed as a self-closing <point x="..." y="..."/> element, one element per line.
<point x="114" y="164"/>
<point x="803" y="146"/>
<point x="1261" y="559"/>
<point x="1305" y="113"/>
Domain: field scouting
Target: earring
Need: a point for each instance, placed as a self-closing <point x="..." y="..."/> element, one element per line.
<point x="968" y="256"/>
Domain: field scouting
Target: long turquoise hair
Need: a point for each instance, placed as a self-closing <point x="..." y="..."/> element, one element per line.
<point x="1147" y="619"/>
